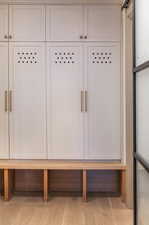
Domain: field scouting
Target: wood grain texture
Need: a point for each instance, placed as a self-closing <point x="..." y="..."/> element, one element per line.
<point x="6" y="185"/>
<point x="60" y="165"/>
<point x="65" y="211"/>
<point x="45" y="185"/>
<point x="84" y="185"/>
<point x="67" y="181"/>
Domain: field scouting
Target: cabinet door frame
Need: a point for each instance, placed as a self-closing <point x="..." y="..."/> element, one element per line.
<point x="49" y="35"/>
<point x="4" y="28"/>
<point x="12" y="34"/>
<point x="4" y="114"/>
<point x="120" y="158"/>
<point x="117" y="33"/>
<point x="51" y="154"/>
<point x="32" y="155"/>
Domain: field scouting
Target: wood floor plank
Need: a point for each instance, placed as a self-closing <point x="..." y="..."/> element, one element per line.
<point x="116" y="203"/>
<point x="64" y="211"/>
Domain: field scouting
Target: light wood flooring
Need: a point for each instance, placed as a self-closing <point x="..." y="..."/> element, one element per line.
<point x="64" y="211"/>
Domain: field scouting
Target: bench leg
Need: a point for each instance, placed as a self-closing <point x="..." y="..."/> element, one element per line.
<point x="85" y="185"/>
<point x="45" y="184"/>
<point x="123" y="185"/>
<point x="6" y="184"/>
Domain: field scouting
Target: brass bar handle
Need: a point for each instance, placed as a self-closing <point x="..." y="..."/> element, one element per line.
<point x="10" y="101"/>
<point x="86" y="101"/>
<point x="6" y="101"/>
<point x="82" y="101"/>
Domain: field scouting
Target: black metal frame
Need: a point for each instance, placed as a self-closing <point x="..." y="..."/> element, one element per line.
<point x="125" y="4"/>
<point x="137" y="156"/>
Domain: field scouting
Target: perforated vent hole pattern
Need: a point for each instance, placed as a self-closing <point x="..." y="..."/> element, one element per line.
<point x="101" y="57"/>
<point x="27" y="57"/>
<point x="64" y="58"/>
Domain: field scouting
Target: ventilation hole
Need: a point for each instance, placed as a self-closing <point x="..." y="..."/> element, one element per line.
<point x="64" y="57"/>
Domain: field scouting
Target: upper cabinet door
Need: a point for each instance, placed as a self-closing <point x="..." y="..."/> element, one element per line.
<point x="4" y="144"/>
<point x="3" y="23"/>
<point x="64" y="23"/>
<point x="102" y="23"/>
<point x="27" y="23"/>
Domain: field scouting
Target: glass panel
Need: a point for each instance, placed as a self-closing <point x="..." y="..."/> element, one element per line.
<point x="142" y="195"/>
<point x="142" y="31"/>
<point x="142" y="113"/>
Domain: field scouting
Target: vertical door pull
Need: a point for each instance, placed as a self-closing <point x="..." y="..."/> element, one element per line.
<point x="10" y="101"/>
<point x="82" y="101"/>
<point x="6" y="101"/>
<point x="86" y="101"/>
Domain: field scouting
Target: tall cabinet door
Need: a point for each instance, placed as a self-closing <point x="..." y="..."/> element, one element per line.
<point x="103" y="101"/>
<point x="102" y="23"/>
<point x="3" y="23"/>
<point x="64" y="23"/>
<point x="27" y="98"/>
<point x="27" y="23"/>
<point x="65" y="119"/>
<point x="4" y="144"/>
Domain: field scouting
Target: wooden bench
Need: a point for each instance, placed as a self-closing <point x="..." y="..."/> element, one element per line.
<point x="46" y="165"/>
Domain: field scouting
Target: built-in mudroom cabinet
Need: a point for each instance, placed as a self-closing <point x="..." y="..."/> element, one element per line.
<point x="60" y="82"/>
